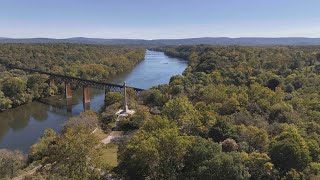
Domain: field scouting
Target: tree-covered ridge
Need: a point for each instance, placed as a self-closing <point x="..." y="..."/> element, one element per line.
<point x="255" y="111"/>
<point x="84" y="61"/>
<point x="292" y="73"/>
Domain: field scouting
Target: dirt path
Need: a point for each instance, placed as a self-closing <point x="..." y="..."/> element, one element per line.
<point x="108" y="139"/>
<point x="114" y="136"/>
<point x="28" y="173"/>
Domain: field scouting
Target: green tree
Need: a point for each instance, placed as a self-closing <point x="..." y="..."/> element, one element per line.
<point x="259" y="166"/>
<point x="14" y="88"/>
<point x="294" y="175"/>
<point x="112" y="97"/>
<point x="221" y="131"/>
<point x="40" y="150"/>
<point x="88" y="119"/>
<point x="200" y="151"/>
<point x="224" y="166"/>
<point x="37" y="84"/>
<point x="314" y="149"/>
<point x="156" y="154"/>
<point x="313" y="171"/>
<point x="184" y="114"/>
<point x="136" y="120"/>
<point x="257" y="139"/>
<point x="5" y="103"/>
<point x="289" y="151"/>
<point x="11" y="162"/>
<point x="75" y="154"/>
<point x="281" y="112"/>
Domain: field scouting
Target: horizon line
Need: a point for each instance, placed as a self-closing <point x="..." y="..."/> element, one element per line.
<point x="262" y="37"/>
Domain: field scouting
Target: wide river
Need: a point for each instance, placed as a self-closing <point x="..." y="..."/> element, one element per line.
<point x="22" y="126"/>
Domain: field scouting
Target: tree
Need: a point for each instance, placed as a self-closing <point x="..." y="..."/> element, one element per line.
<point x="184" y="114"/>
<point x="112" y="97"/>
<point x="88" y="119"/>
<point x="294" y="175"/>
<point x="289" y="88"/>
<point x="5" y="103"/>
<point x="313" y="171"/>
<point x="136" y="120"/>
<point x="273" y="83"/>
<point x="75" y="154"/>
<point x="177" y="108"/>
<point x="221" y="131"/>
<point x="314" y="149"/>
<point x="156" y="123"/>
<point x="289" y="151"/>
<point x="263" y="97"/>
<point x="10" y="163"/>
<point x="257" y="139"/>
<point x="41" y="149"/>
<point x="200" y="151"/>
<point x="281" y="112"/>
<point x="229" y="145"/>
<point x="259" y="166"/>
<point x="154" y="97"/>
<point x="156" y="154"/>
<point x="14" y="88"/>
<point x="37" y="84"/>
<point x="224" y="166"/>
<point x="230" y="106"/>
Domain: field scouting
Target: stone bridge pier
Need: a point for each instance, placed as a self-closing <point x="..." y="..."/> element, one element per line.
<point x="86" y="98"/>
<point x="68" y="93"/>
<point x="86" y="93"/>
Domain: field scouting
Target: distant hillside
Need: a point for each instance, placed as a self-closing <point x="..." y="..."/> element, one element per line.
<point x="190" y="41"/>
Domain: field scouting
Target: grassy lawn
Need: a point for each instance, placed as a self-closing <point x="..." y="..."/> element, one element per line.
<point x="110" y="151"/>
<point x="109" y="156"/>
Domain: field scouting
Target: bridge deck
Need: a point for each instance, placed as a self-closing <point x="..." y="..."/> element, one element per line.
<point x="84" y="82"/>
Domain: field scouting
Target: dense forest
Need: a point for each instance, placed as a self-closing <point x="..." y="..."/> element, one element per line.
<point x="236" y="113"/>
<point x="85" y="61"/>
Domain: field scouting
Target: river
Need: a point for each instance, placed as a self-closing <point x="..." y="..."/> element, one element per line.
<point x="22" y="126"/>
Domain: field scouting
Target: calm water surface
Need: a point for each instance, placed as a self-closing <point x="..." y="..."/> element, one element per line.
<point x="22" y="126"/>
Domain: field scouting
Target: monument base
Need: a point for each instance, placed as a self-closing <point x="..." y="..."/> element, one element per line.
<point x="125" y="113"/>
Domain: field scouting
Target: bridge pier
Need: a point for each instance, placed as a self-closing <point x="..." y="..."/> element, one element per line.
<point x="86" y="106"/>
<point x="86" y="94"/>
<point x="69" y="105"/>
<point x="68" y="93"/>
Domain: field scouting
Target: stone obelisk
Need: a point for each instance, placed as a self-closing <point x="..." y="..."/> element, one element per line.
<point x="125" y="111"/>
<point x="125" y="100"/>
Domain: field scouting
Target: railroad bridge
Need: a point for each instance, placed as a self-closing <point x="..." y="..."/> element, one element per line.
<point x="86" y="84"/>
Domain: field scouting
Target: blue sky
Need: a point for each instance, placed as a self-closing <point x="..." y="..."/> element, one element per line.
<point x="154" y="19"/>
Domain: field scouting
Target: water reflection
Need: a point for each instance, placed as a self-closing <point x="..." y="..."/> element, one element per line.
<point x="29" y="121"/>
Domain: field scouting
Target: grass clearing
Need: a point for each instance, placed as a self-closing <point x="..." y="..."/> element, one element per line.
<point x="110" y="155"/>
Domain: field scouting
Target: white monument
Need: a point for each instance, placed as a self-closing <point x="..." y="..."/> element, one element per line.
<point x="125" y="111"/>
